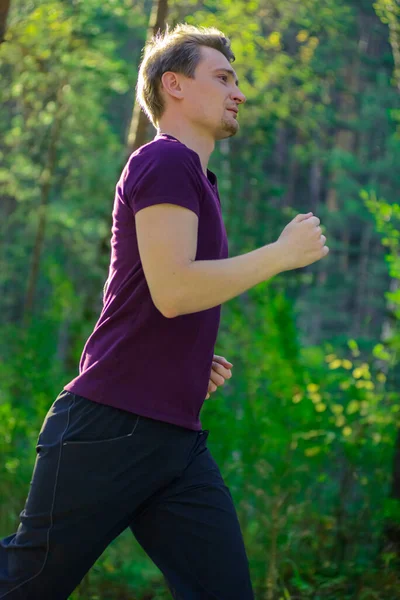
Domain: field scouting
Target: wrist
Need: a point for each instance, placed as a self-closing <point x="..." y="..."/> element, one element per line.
<point x="279" y="257"/>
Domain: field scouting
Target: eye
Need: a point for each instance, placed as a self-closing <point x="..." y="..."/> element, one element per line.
<point x="224" y="77"/>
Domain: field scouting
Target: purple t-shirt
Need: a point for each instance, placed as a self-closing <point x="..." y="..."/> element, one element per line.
<point x="136" y="359"/>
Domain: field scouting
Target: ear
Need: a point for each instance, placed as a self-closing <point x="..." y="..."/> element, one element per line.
<point x="171" y="84"/>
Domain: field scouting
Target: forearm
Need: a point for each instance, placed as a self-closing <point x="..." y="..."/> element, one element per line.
<point x="204" y="284"/>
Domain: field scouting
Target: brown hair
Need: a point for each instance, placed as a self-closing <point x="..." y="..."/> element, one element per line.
<point x="177" y="50"/>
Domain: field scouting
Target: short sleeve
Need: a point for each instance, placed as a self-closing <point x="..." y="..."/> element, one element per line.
<point x="168" y="176"/>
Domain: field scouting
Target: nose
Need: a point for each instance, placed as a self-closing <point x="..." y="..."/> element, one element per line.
<point x="239" y="97"/>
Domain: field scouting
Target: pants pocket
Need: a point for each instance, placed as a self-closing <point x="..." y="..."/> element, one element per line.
<point x="82" y="421"/>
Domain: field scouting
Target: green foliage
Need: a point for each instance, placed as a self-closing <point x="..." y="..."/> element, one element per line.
<point x="310" y="436"/>
<point x="305" y="430"/>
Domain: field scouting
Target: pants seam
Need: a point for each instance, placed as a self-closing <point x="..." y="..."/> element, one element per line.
<point x="51" y="509"/>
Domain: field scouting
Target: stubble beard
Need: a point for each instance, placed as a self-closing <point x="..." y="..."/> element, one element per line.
<point x="228" y="129"/>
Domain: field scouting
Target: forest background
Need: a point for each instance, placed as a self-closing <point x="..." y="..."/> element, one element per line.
<point x="306" y="432"/>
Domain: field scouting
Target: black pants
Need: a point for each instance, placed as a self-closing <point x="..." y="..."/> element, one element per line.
<point x="100" y="470"/>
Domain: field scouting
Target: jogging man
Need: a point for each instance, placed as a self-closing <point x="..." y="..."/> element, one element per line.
<point x="122" y="445"/>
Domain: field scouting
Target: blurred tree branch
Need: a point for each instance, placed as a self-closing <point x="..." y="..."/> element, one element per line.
<point x="4" y="9"/>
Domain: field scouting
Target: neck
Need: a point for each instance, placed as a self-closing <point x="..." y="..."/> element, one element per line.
<point x="201" y="144"/>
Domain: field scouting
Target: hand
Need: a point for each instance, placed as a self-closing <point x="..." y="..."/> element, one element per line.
<point x="220" y="371"/>
<point x="302" y="242"/>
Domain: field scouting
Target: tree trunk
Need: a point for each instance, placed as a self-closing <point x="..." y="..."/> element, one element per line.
<point x="47" y="177"/>
<point x="139" y="123"/>
<point x="63" y="337"/>
<point x="293" y="171"/>
<point x="392" y="14"/>
<point x="362" y="282"/>
<point x="137" y="131"/>
<point x="7" y="208"/>
<point x="4" y="9"/>
<point x="345" y="138"/>
<point x="392" y="529"/>
<point x="315" y="184"/>
<point x="226" y="179"/>
<point x="391" y="533"/>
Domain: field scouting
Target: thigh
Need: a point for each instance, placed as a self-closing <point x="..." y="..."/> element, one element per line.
<point x="74" y="507"/>
<point x="192" y="533"/>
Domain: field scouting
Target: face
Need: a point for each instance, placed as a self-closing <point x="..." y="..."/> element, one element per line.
<point x="211" y="100"/>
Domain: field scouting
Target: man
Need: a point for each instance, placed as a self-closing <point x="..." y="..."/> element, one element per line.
<point x="122" y="445"/>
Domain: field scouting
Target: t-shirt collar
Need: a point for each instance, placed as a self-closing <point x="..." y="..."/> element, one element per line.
<point x="212" y="178"/>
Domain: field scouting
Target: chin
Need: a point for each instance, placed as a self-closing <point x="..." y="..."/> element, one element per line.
<point x="227" y="130"/>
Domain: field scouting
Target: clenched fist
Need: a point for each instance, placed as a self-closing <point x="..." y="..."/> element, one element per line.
<point x="302" y="242"/>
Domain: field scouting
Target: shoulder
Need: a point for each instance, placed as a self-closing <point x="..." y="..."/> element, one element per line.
<point x="162" y="157"/>
<point x="163" y="169"/>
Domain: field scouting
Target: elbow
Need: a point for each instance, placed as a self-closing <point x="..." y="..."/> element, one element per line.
<point x="168" y="305"/>
<point x="167" y="310"/>
<point x="168" y="314"/>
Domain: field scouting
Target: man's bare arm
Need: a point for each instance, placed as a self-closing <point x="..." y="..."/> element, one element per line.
<point x="179" y="285"/>
<point x="207" y="283"/>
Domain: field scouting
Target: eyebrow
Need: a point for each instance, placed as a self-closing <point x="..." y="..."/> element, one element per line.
<point x="230" y="72"/>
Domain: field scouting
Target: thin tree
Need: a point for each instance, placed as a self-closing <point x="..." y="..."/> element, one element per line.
<point x="389" y="12"/>
<point x="45" y="188"/>
<point x="4" y="9"/>
<point x="139" y="123"/>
